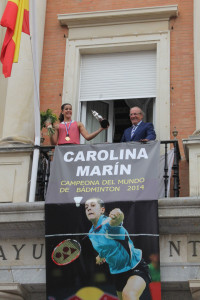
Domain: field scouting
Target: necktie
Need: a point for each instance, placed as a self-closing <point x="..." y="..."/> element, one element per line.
<point x="133" y="130"/>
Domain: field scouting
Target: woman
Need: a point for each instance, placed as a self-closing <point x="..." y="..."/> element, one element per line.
<point x="68" y="131"/>
<point x="114" y="246"/>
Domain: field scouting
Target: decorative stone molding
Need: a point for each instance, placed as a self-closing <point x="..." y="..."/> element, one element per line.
<point x="15" y="165"/>
<point x="121" y="31"/>
<point x="179" y="215"/>
<point x="118" y="16"/>
<point x="196" y="133"/>
<point x="195" y="289"/>
<point x="12" y="291"/>
<point x="13" y="141"/>
<point x="192" y="153"/>
<point x="19" y="220"/>
<point x="9" y="296"/>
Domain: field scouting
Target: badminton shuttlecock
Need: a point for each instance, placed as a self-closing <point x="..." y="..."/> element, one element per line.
<point x="78" y="200"/>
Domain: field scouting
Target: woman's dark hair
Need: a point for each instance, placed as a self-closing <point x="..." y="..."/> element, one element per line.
<point x="99" y="201"/>
<point x="61" y="117"/>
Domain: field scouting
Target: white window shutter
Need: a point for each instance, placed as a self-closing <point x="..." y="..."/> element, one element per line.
<point x="125" y="75"/>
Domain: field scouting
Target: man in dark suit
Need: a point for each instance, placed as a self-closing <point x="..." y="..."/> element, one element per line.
<point x="139" y="131"/>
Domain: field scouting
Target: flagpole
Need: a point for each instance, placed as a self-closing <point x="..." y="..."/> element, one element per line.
<point x="36" y="73"/>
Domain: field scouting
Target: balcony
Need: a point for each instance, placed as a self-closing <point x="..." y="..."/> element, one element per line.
<point x="24" y="224"/>
<point x="46" y="157"/>
<point x="16" y="166"/>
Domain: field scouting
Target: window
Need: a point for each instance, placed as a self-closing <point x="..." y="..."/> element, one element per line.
<point x="121" y="31"/>
<point x="125" y="79"/>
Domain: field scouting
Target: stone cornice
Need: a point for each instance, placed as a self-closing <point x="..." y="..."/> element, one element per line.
<point x="118" y="16"/>
<point x="176" y="216"/>
<point x="22" y="220"/>
<point x="16" y="148"/>
<point x="182" y="207"/>
<point x="193" y="140"/>
<point x="22" y="212"/>
<point x="179" y="215"/>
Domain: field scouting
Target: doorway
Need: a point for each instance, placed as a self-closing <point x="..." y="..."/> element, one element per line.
<point x="117" y="113"/>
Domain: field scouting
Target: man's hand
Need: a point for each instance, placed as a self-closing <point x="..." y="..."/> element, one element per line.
<point x="99" y="260"/>
<point x="116" y="216"/>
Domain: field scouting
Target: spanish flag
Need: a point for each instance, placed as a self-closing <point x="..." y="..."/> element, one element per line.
<point x="16" y="19"/>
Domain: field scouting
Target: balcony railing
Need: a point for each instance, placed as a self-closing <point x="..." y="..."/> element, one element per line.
<point x="175" y="167"/>
<point x="46" y="156"/>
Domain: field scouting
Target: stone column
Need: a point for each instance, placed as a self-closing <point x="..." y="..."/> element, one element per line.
<point x="17" y="105"/>
<point x="192" y="153"/>
<point x="17" y="113"/>
<point x="192" y="144"/>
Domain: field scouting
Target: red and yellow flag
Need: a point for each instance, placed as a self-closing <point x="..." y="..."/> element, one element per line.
<point x="16" y="19"/>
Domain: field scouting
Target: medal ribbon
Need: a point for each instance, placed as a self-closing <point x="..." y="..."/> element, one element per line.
<point x="67" y="129"/>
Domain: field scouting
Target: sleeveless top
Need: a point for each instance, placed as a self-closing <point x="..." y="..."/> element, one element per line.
<point x="73" y="132"/>
<point x="114" y="244"/>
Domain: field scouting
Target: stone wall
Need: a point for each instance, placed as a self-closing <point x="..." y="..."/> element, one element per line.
<point x="22" y="248"/>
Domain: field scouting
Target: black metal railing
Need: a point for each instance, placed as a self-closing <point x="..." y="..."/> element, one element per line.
<point x="175" y="167"/>
<point x="46" y="156"/>
<point x="44" y="165"/>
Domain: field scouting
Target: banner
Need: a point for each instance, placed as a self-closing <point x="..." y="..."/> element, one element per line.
<point x="101" y="218"/>
<point x="124" y="171"/>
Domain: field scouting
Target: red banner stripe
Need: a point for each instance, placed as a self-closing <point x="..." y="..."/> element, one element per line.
<point x="25" y="25"/>
<point x="8" y="37"/>
<point x="7" y="57"/>
<point x="10" y="15"/>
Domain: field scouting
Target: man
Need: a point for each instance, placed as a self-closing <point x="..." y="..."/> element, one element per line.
<point x="139" y="131"/>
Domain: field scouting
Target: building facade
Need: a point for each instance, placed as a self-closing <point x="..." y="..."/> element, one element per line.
<point x="80" y="45"/>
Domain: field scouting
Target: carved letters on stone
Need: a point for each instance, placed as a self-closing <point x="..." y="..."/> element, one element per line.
<point x="180" y="248"/>
<point x="22" y="252"/>
<point x="176" y="246"/>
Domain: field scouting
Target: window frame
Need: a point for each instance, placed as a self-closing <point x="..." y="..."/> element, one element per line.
<point x="117" y="31"/>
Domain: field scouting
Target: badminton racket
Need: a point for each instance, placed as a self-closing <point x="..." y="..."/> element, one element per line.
<point x="66" y="252"/>
<point x="69" y="250"/>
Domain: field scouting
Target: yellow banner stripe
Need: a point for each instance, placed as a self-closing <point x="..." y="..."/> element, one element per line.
<point x="14" y="1"/>
<point x="18" y="30"/>
<point x="26" y="4"/>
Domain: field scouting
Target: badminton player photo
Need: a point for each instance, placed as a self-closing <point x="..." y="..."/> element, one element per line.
<point x="112" y="243"/>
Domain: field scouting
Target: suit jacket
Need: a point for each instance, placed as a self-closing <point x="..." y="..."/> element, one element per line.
<point x="143" y="131"/>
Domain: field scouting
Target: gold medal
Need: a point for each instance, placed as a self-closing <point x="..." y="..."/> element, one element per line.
<point x="67" y="130"/>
